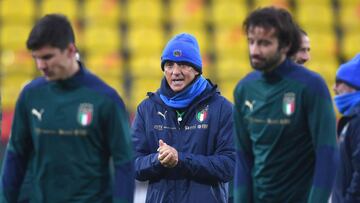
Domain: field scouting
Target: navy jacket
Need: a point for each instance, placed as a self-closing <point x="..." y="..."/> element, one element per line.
<point x="347" y="183"/>
<point x="204" y="141"/>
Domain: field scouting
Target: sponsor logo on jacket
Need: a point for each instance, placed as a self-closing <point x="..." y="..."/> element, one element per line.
<point x="162" y="114"/>
<point x="37" y="113"/>
<point x="250" y="104"/>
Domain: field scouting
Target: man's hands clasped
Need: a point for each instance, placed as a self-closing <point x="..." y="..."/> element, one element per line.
<point x="168" y="156"/>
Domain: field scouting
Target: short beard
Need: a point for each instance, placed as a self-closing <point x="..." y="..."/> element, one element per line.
<point x="269" y="64"/>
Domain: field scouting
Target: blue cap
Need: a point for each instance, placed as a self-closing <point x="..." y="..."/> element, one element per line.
<point x="182" y="48"/>
<point x="349" y="72"/>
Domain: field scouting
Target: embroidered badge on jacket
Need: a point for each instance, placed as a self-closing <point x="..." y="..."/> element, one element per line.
<point x="289" y="103"/>
<point x="85" y="114"/>
<point x="202" y="115"/>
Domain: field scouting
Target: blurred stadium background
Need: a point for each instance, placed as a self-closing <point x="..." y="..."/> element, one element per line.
<point x="121" y="40"/>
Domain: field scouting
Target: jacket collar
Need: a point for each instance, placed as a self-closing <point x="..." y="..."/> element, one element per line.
<point x="72" y="82"/>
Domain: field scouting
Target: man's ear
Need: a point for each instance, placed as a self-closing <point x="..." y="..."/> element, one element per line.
<point x="196" y="72"/>
<point x="72" y="50"/>
<point x="285" y="49"/>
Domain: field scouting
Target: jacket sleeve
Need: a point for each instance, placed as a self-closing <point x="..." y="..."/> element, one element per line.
<point x="220" y="165"/>
<point x="322" y="124"/>
<point x="17" y="155"/>
<point x="147" y="166"/>
<point x="353" y="190"/>
<point x="117" y="131"/>
<point x="244" y="158"/>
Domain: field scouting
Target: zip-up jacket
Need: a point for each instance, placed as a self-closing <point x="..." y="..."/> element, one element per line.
<point x="204" y="141"/>
<point x="285" y="137"/>
<point x="347" y="182"/>
<point x="69" y="129"/>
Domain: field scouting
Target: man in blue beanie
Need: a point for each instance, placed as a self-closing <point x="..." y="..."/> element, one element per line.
<point x="347" y="100"/>
<point x="182" y="133"/>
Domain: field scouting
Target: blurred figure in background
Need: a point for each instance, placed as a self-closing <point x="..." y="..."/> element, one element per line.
<point x="303" y="54"/>
<point x="347" y="100"/>
<point x="69" y="123"/>
<point x="284" y="119"/>
<point x="183" y="133"/>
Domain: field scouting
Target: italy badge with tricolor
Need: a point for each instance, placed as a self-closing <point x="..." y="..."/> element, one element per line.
<point x="202" y="115"/>
<point x="85" y="114"/>
<point x="289" y="103"/>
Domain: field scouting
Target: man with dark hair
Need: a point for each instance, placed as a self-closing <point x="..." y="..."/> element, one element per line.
<point x="284" y="119"/>
<point x="303" y="55"/>
<point x="70" y="123"/>
<point x="347" y="100"/>
<point x="183" y="133"/>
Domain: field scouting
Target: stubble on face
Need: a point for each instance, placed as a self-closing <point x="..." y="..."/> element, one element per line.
<point x="265" y="52"/>
<point x="265" y="64"/>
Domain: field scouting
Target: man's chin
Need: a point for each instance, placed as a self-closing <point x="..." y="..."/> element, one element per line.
<point x="300" y="62"/>
<point x="258" y="67"/>
<point x="49" y="78"/>
<point x="177" y="88"/>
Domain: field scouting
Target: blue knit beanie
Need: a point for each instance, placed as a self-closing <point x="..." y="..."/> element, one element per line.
<point x="349" y="72"/>
<point x="182" y="48"/>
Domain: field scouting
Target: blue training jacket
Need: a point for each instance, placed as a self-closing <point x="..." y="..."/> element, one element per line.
<point x="347" y="182"/>
<point x="204" y="141"/>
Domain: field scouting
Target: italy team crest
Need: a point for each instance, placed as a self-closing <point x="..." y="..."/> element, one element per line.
<point x="289" y="103"/>
<point x="202" y="115"/>
<point x="85" y="114"/>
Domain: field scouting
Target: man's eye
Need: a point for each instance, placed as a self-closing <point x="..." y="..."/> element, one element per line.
<point x="264" y="43"/>
<point x="46" y="57"/>
<point x="169" y="64"/>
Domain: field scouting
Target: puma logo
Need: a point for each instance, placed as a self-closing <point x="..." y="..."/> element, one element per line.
<point x="37" y="114"/>
<point x="162" y="114"/>
<point x="250" y="104"/>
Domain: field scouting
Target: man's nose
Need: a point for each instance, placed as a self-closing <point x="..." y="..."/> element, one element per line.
<point x="306" y="56"/>
<point x="177" y="68"/>
<point x="40" y="64"/>
<point x="254" y="49"/>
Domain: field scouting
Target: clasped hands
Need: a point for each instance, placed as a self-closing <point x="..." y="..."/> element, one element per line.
<point x="168" y="156"/>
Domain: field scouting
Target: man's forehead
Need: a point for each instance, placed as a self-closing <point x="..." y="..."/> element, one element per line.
<point x="270" y="31"/>
<point x="305" y="39"/>
<point x="45" y="50"/>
